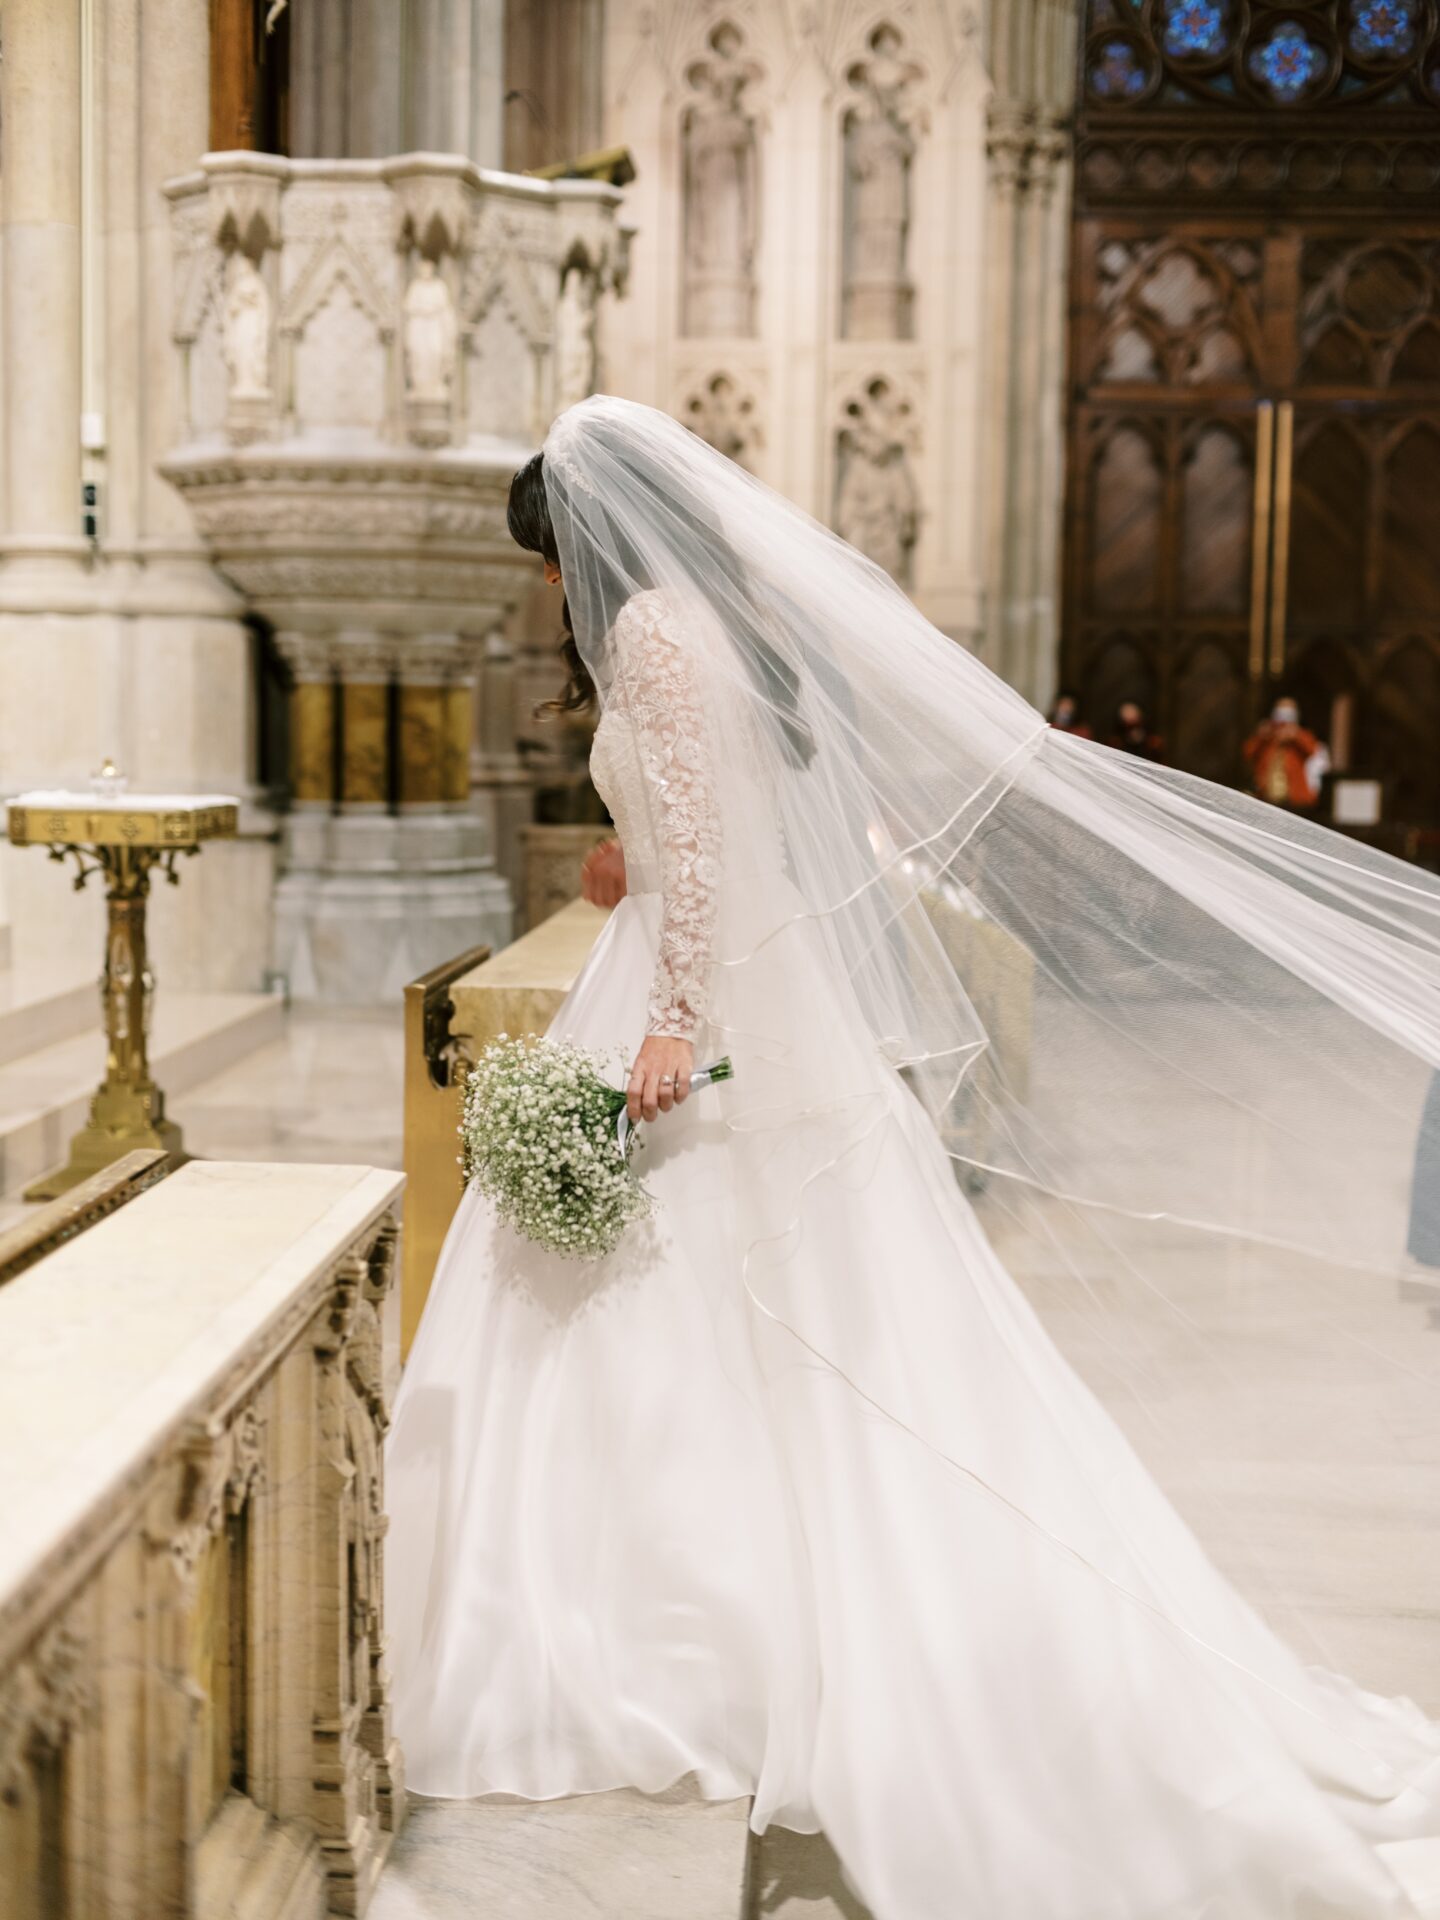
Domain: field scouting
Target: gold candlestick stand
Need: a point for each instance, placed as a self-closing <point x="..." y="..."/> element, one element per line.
<point x="125" y="838"/>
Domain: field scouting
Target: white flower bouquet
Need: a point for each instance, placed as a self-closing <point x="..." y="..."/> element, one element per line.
<point x="548" y="1141"/>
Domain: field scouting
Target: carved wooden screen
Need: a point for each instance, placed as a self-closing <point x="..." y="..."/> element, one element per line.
<point x="1254" y="418"/>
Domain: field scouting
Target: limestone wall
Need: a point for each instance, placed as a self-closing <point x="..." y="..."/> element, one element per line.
<point x="807" y="276"/>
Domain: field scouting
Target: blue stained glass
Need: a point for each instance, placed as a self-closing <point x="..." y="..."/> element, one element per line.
<point x="1288" y="62"/>
<point x="1383" y="29"/>
<point x="1194" y="27"/>
<point x="1117" y="74"/>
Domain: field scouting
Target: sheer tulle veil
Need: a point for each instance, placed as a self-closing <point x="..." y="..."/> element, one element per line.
<point x="1179" y="1044"/>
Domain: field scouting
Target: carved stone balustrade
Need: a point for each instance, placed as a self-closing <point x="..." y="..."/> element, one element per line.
<point x="193" y="1692"/>
<point x="366" y="350"/>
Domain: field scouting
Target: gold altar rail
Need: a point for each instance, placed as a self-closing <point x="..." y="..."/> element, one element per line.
<point x="614" y="165"/>
<point x="450" y="1013"/>
<point x="83" y="1206"/>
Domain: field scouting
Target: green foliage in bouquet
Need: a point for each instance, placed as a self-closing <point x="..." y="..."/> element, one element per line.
<point x="538" y="1131"/>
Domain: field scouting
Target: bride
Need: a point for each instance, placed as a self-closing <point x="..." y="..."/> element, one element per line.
<point x="800" y="1492"/>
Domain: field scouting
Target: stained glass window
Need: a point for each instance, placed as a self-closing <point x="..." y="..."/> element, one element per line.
<point x="1383" y="29"/>
<point x="1288" y="63"/>
<point x="1195" y="28"/>
<point x="1117" y="74"/>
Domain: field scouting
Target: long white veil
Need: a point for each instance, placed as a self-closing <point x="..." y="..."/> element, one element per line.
<point x="1180" y="1045"/>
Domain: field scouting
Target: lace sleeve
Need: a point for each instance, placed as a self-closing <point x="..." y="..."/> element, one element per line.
<point x="661" y="693"/>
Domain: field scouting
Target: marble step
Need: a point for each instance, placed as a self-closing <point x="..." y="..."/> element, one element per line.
<point x="38" y="1011"/>
<point x="664" y="1857"/>
<point x="45" y="1092"/>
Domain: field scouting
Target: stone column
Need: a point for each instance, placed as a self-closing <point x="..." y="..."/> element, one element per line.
<point x="1028" y="224"/>
<point x="40" y="108"/>
<point x="372" y="77"/>
<point x="1031" y="60"/>
<point x="498" y="775"/>
<point x="170" y="134"/>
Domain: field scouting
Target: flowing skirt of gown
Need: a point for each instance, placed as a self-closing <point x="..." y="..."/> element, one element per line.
<point x="639" y="1531"/>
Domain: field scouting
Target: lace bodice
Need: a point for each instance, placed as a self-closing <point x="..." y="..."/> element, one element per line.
<point x="652" y="766"/>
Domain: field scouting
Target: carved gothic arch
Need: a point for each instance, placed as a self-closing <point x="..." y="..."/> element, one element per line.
<point x="675" y="36"/>
<point x="335" y="261"/>
<point x="201" y="292"/>
<point x="506" y="278"/>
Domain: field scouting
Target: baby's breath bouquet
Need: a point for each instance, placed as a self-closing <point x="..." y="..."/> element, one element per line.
<point x="546" y="1139"/>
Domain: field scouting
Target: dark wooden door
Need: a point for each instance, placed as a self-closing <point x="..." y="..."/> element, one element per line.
<point x="1254" y="410"/>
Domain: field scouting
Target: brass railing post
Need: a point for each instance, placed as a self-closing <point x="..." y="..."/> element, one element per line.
<point x="1260" y="535"/>
<point x="1280" y="563"/>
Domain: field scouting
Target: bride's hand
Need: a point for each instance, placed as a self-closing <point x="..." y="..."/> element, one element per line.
<point x="602" y="878"/>
<point x="660" y="1077"/>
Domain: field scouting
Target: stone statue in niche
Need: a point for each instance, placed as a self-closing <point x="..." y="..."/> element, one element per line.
<point x="720" y="200"/>
<point x="725" y="417"/>
<point x="574" y="339"/>
<point x="430" y="336"/>
<point x="877" y="506"/>
<point x="247" y="331"/>
<point x="879" y="149"/>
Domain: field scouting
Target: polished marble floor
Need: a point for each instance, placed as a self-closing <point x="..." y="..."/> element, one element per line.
<point x="672" y="1857"/>
<point x="330" y="1090"/>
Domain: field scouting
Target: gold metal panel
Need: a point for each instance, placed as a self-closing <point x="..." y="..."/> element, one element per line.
<point x="1280" y="568"/>
<point x="365" y="757"/>
<point x="1260" y="534"/>
<point x="312" y="741"/>
<point x="614" y="165"/>
<point x="455" y="751"/>
<point x="422" y="745"/>
<point x="117" y="827"/>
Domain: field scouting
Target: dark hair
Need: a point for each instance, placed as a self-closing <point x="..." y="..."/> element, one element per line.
<point x="528" y="517"/>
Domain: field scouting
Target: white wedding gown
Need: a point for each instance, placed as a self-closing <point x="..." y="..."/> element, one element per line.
<point x="640" y="1530"/>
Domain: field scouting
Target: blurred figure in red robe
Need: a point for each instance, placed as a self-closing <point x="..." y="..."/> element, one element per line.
<point x="1287" y="761"/>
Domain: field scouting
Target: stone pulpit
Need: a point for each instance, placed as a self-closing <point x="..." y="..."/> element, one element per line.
<point x="367" y="349"/>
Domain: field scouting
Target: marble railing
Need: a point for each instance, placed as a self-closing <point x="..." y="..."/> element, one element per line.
<point x="193" y="1693"/>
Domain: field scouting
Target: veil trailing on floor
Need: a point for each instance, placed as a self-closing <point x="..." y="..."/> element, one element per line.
<point x="1181" y="1046"/>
